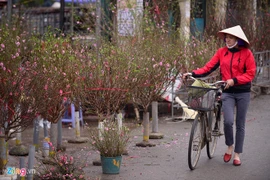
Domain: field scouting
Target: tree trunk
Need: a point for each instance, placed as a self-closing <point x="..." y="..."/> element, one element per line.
<point x="184" y="6"/>
<point x="220" y="12"/>
<point x="137" y="114"/>
<point x="53" y="138"/>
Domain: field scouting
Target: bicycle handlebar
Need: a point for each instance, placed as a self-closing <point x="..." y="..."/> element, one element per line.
<point x="210" y="84"/>
<point x="217" y="82"/>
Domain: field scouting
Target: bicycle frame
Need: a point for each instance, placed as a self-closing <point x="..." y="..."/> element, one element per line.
<point x="207" y="122"/>
<point x="206" y="125"/>
<point x="218" y="106"/>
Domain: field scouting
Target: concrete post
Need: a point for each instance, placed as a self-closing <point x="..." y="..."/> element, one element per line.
<point x="78" y="138"/>
<point x="154" y="116"/>
<point x="22" y="165"/>
<point x="145" y="142"/>
<point x="18" y="140"/>
<point x="100" y="128"/>
<point x="45" y="126"/>
<point x="155" y="134"/>
<point x="119" y="118"/>
<point x="31" y="162"/>
<point x="77" y="125"/>
<point x="59" y="136"/>
<point x="97" y="162"/>
<point x="146" y="126"/>
<point x="3" y="153"/>
<point x="36" y="132"/>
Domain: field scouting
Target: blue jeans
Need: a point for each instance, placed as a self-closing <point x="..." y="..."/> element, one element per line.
<point x="240" y="103"/>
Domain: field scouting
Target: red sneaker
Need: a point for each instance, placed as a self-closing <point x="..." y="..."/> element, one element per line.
<point x="227" y="157"/>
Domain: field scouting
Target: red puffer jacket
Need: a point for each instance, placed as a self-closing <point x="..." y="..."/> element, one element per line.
<point x="236" y="64"/>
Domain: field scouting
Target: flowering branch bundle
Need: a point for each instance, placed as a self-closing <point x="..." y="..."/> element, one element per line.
<point x="60" y="166"/>
<point x="110" y="142"/>
<point x="56" y="73"/>
<point x="17" y="107"/>
<point x="157" y="66"/>
<point x="106" y="81"/>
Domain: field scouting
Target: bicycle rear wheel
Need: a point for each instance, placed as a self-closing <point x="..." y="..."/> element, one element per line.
<point x="195" y="142"/>
<point x="214" y="127"/>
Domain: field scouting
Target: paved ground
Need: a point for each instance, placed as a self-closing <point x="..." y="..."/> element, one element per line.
<point x="168" y="159"/>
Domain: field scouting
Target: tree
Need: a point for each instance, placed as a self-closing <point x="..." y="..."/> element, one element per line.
<point x="56" y="73"/>
<point x="105" y="81"/>
<point x="17" y="105"/>
<point x="158" y="63"/>
<point x="16" y="76"/>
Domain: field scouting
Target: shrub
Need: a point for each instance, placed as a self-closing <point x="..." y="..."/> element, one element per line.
<point x="60" y="166"/>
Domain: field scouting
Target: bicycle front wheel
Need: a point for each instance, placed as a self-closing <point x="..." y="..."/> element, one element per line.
<point x="195" y="142"/>
<point x="214" y="127"/>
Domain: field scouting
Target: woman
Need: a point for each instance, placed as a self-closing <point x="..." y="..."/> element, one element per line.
<point x="237" y="68"/>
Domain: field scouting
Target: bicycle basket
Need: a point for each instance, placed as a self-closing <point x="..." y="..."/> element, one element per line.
<point x="201" y="96"/>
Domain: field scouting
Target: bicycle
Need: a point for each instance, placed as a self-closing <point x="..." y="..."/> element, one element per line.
<point x="205" y="99"/>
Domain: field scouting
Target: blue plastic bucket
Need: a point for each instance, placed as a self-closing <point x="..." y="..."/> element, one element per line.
<point x="111" y="165"/>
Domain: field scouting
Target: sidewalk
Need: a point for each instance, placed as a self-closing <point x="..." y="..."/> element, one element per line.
<point x="144" y="162"/>
<point x="175" y="140"/>
<point x="168" y="159"/>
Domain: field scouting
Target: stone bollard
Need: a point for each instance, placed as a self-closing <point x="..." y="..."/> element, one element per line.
<point x="145" y="142"/>
<point x="22" y="165"/>
<point x="155" y="134"/>
<point x="36" y="132"/>
<point x="3" y="153"/>
<point x="31" y="162"/>
<point x="97" y="162"/>
<point x="59" y="146"/>
<point x="77" y="125"/>
<point x="78" y="138"/>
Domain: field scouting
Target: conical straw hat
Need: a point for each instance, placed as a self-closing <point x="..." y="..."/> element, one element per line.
<point x="235" y="31"/>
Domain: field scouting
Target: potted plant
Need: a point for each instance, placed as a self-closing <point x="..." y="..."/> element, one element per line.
<point x="111" y="141"/>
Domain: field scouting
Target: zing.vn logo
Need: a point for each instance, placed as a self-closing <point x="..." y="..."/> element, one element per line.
<point x="22" y="172"/>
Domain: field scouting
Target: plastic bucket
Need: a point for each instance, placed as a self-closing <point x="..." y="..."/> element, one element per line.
<point x="111" y="165"/>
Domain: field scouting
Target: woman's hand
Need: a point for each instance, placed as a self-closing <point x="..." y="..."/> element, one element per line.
<point x="229" y="83"/>
<point x="186" y="75"/>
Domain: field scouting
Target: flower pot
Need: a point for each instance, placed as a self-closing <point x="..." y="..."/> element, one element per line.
<point x="111" y="165"/>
